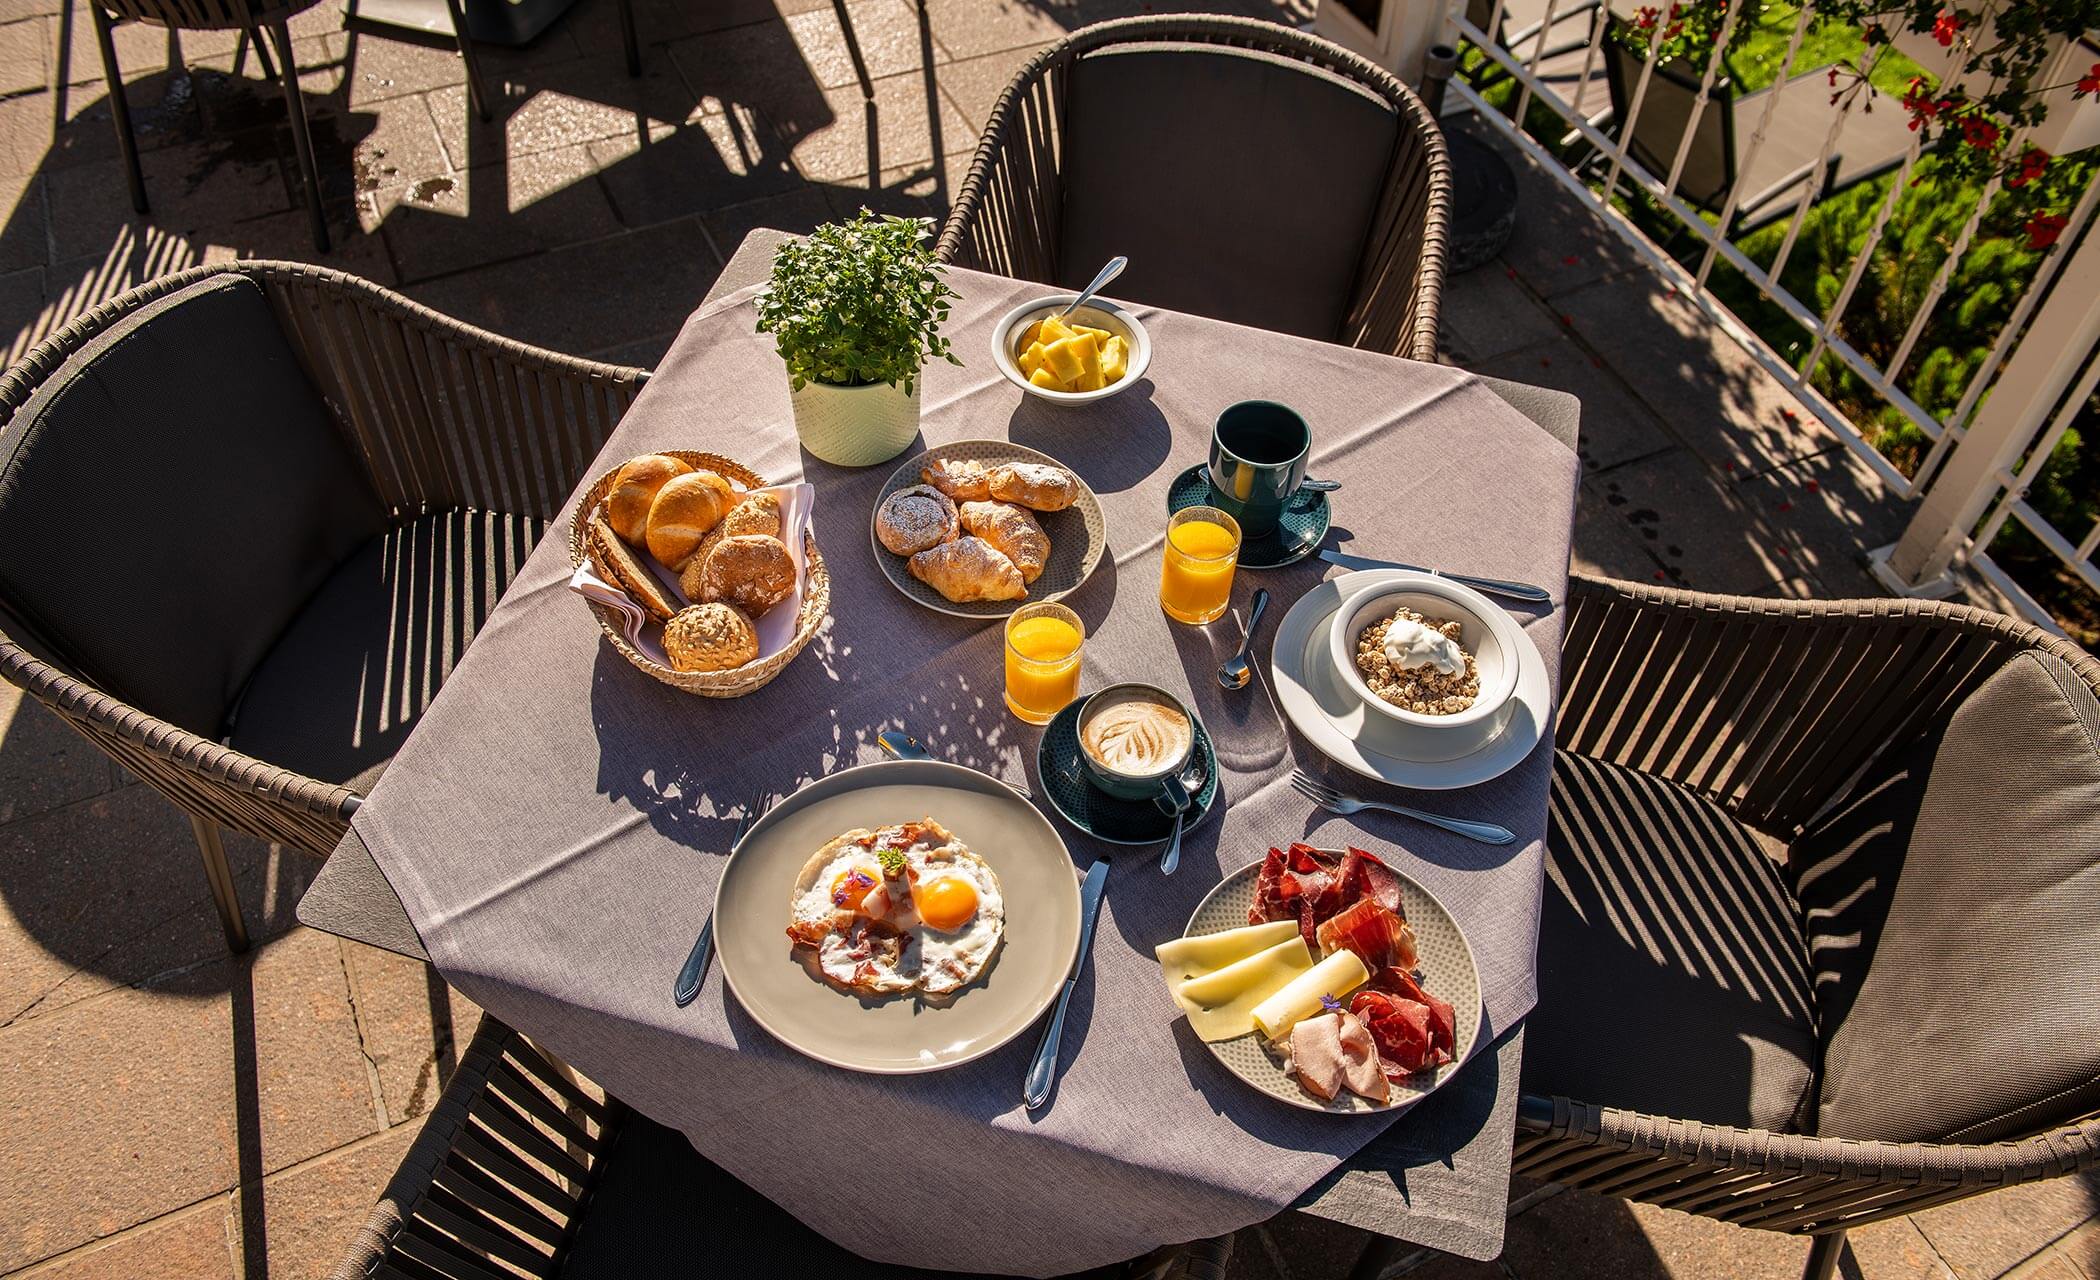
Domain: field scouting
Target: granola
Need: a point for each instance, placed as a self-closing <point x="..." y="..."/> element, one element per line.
<point x="1427" y="689"/>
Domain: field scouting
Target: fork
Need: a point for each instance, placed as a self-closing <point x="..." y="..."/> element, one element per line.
<point x="695" y="968"/>
<point x="1335" y="802"/>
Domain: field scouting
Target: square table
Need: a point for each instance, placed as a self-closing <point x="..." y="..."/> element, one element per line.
<point x="1439" y="1176"/>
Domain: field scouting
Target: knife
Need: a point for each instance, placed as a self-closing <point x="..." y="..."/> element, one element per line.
<point x="1494" y="586"/>
<point x="1042" y="1073"/>
<point x="687" y="987"/>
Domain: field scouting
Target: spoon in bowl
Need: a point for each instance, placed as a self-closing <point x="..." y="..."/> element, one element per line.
<point x="1101" y="278"/>
<point x="1236" y="673"/>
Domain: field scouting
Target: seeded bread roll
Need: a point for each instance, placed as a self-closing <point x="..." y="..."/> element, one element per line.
<point x="684" y="510"/>
<point x="709" y="637"/>
<point x="627" y="506"/>
<point x="757" y="513"/>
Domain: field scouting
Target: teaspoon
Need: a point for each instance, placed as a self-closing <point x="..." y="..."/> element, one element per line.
<point x="1236" y="673"/>
<point x="1111" y="271"/>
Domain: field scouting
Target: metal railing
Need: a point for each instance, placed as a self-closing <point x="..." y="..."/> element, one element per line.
<point x="1981" y="457"/>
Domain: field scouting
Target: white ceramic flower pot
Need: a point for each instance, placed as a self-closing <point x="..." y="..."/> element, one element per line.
<point x="856" y="426"/>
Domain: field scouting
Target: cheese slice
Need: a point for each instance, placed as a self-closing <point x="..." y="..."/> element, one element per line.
<point x="1221" y="1004"/>
<point x="1183" y="958"/>
<point x="1336" y="976"/>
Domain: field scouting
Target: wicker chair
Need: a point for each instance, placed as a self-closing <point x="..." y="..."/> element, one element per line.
<point x="446" y="451"/>
<point x="1783" y="717"/>
<point x="251" y="20"/>
<point x="1250" y="171"/>
<point x="521" y="1169"/>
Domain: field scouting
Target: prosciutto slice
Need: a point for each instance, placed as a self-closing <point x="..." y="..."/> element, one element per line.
<point x="1442" y="1021"/>
<point x="1380" y="939"/>
<point x="1401" y="1029"/>
<point x="1312" y="887"/>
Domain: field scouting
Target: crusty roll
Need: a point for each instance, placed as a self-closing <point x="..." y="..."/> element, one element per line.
<point x="709" y="637"/>
<point x="757" y="513"/>
<point x="627" y="506"/>
<point x="1011" y="529"/>
<point x="686" y="507"/>
<point x="617" y="563"/>
<point x="751" y="571"/>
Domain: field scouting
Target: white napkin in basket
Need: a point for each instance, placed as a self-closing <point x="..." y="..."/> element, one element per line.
<point x="776" y="627"/>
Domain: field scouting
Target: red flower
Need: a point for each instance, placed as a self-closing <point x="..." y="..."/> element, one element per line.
<point x="2088" y="83"/>
<point x="1945" y="26"/>
<point x="2032" y="162"/>
<point x="1646" y="18"/>
<point x="1980" y="133"/>
<point x="2044" y="228"/>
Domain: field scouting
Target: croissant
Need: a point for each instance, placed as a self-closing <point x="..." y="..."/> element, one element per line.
<point x="1034" y="485"/>
<point x="1013" y="531"/>
<point x="968" y="569"/>
<point x="964" y="480"/>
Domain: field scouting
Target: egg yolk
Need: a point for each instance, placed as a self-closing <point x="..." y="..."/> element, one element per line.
<point x="851" y="888"/>
<point x="946" y="903"/>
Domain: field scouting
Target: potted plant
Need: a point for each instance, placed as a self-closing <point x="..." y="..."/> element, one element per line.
<point x="856" y="310"/>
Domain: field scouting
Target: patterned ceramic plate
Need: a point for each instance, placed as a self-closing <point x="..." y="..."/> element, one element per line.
<point x="1077" y="534"/>
<point x="1093" y="810"/>
<point x="1446" y="966"/>
<point x="1303" y="524"/>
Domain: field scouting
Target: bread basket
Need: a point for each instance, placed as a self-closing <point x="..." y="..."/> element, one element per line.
<point x="734" y="683"/>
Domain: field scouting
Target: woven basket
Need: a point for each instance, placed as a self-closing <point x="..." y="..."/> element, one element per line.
<point x="738" y="681"/>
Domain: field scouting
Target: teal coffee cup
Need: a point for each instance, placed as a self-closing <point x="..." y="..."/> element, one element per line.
<point x="1258" y="453"/>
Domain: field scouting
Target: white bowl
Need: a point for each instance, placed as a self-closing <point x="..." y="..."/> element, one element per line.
<point x="1099" y="313"/>
<point x="1486" y="632"/>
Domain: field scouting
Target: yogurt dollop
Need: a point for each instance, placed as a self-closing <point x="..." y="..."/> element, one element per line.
<point x="1410" y="644"/>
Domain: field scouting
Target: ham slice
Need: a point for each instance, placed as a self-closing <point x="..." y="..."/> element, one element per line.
<point x="1310" y="886"/>
<point x="1336" y="1051"/>
<point x="1442" y="1021"/>
<point x="1381" y="939"/>
<point x="1402" y="1029"/>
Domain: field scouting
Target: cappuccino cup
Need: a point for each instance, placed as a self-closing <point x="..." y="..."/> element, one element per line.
<point x="1132" y="737"/>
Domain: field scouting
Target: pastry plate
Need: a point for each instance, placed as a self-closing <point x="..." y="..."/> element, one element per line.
<point x="1444" y="960"/>
<point x="1093" y="810"/>
<point x="902" y="1034"/>
<point x="1331" y="715"/>
<point x="1301" y="528"/>
<point x="1078" y="535"/>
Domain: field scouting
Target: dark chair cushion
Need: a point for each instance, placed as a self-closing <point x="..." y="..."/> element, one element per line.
<point x="663" y="1209"/>
<point x="336" y="697"/>
<point x="170" y="498"/>
<point x="1672" y="976"/>
<point x="1241" y="185"/>
<point x="1977" y="1018"/>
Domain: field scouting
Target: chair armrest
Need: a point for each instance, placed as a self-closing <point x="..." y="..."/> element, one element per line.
<point x="445" y="414"/>
<point x="1004" y="219"/>
<point x="1777" y="1181"/>
<point x="1770" y="707"/>
<point x="198" y="775"/>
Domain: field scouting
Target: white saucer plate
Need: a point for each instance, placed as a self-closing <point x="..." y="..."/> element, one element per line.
<point x="1336" y="721"/>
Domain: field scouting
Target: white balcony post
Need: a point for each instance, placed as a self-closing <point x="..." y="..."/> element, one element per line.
<point x="2065" y="331"/>
<point x="1406" y="30"/>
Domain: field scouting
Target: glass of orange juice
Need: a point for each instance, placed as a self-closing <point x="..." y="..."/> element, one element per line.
<point x="1195" y="581"/>
<point x="1042" y="661"/>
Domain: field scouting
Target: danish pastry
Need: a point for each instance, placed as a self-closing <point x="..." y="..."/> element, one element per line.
<point x="709" y="637"/>
<point x="967" y="569"/>
<point x="685" y="508"/>
<point x="964" y="480"/>
<point x="751" y="571"/>
<point x="1033" y="485"/>
<point x="617" y="563"/>
<point x="911" y="520"/>
<point x="1013" y="531"/>
<point x="634" y="488"/>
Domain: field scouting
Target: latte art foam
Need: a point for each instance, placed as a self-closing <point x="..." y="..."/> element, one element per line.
<point x="1137" y="737"/>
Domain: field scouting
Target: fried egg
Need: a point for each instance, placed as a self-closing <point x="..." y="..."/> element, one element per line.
<point x="897" y="909"/>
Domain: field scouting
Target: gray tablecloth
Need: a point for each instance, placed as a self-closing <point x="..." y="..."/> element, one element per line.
<point x="554" y="824"/>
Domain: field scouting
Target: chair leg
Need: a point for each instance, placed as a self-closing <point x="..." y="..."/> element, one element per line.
<point x="475" y="93"/>
<point x="302" y="140"/>
<point x="1823" y="1256"/>
<point x="220" y="875"/>
<point x="120" y="108"/>
<point x="627" y="34"/>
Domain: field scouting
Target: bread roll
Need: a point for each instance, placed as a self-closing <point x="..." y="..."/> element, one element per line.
<point x="686" y="507"/>
<point x="634" y="488"/>
<point x="617" y="563"/>
<point x="752" y="572"/>
<point x="757" y="513"/>
<point x="911" y="520"/>
<point x="709" y="637"/>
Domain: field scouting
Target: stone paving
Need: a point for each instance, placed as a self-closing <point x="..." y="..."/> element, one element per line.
<point x="166" y="1109"/>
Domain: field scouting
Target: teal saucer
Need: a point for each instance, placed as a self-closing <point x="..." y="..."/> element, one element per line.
<point x="1099" y="814"/>
<point x="1296" y="535"/>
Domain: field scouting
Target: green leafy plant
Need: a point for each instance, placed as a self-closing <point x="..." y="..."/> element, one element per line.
<point x="857" y="303"/>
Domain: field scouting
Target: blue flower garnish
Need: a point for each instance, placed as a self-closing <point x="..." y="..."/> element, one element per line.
<point x="1330" y="1004"/>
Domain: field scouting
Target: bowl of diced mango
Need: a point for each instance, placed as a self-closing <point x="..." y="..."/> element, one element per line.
<point x="1089" y="355"/>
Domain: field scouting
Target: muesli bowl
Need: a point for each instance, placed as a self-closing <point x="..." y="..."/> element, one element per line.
<point x="1486" y="632"/>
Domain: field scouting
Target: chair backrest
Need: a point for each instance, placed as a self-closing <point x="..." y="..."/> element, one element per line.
<point x="1242" y="184"/>
<point x="170" y="495"/>
<point x="1667" y="109"/>
<point x="1952" y="906"/>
